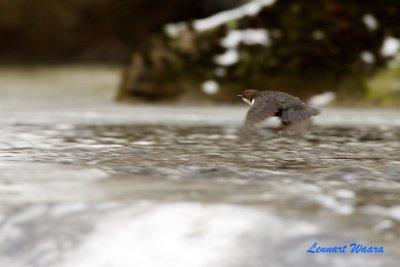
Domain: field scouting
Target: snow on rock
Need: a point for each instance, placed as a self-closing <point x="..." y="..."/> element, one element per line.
<point x="248" y="37"/>
<point x="370" y="22"/>
<point x="236" y="37"/>
<point x="249" y="9"/>
<point x="367" y="57"/>
<point x="173" y="30"/>
<point x="230" y="57"/>
<point x="322" y="99"/>
<point x="390" y="47"/>
<point x="210" y="87"/>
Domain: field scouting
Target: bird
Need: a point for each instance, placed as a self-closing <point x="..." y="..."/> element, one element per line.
<point x="295" y="116"/>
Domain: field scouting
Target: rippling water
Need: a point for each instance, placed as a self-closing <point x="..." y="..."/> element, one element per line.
<point x="110" y="185"/>
<point x="69" y="188"/>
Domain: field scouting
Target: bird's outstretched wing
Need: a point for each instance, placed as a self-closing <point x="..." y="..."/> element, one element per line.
<point x="295" y="122"/>
<point x="296" y="128"/>
<point x="258" y="112"/>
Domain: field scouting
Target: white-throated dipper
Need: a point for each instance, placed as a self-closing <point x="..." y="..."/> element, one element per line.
<point x="293" y="113"/>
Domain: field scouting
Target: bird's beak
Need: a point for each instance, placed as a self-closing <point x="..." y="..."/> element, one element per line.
<point x="239" y="95"/>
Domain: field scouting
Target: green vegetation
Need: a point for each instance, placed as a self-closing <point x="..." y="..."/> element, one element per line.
<point x="384" y="87"/>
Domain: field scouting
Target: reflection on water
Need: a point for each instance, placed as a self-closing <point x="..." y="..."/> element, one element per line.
<point x="81" y="194"/>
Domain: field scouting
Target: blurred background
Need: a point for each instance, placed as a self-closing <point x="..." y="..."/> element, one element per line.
<point x="201" y="51"/>
<point x="119" y="145"/>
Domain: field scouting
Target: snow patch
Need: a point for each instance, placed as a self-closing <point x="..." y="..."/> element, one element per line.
<point x="173" y="30"/>
<point x="367" y="57"/>
<point x="390" y="47"/>
<point x="210" y="87"/>
<point x="322" y="99"/>
<point x="248" y="37"/>
<point x="370" y="22"/>
<point x="230" y="57"/>
<point x="250" y="9"/>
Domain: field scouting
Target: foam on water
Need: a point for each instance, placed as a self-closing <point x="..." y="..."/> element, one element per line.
<point x="185" y="234"/>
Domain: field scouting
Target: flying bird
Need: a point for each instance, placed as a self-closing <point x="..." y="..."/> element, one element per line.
<point x="295" y="116"/>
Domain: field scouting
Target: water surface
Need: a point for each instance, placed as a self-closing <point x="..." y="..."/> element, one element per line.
<point x="103" y="184"/>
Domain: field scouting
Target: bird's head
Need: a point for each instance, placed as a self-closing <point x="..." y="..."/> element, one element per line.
<point x="248" y="96"/>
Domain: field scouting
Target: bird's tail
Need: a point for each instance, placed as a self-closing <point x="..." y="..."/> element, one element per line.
<point x="298" y="115"/>
<point x="312" y="111"/>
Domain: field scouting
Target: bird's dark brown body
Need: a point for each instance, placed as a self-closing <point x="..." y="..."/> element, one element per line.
<point x="294" y="114"/>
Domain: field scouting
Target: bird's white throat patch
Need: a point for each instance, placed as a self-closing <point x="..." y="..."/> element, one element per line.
<point x="248" y="101"/>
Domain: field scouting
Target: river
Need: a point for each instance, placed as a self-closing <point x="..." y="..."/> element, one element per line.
<point x="88" y="182"/>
